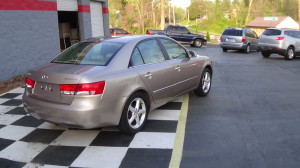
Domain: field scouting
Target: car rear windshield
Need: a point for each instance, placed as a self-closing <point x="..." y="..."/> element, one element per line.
<point x="272" y="32"/>
<point x="87" y="53"/>
<point x="232" y="32"/>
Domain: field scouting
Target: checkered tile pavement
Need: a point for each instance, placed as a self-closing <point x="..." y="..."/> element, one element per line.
<point x="31" y="143"/>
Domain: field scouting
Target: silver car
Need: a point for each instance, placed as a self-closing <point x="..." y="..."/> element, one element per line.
<point x="243" y="39"/>
<point x="285" y="42"/>
<point x="114" y="81"/>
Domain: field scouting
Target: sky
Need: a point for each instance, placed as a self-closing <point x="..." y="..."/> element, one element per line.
<point x="181" y="3"/>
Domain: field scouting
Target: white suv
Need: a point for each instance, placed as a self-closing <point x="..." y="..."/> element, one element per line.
<point x="285" y="42"/>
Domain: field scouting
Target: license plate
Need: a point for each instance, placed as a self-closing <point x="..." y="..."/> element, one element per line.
<point x="230" y="40"/>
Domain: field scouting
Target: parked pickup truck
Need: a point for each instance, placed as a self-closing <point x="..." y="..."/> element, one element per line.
<point x="181" y="34"/>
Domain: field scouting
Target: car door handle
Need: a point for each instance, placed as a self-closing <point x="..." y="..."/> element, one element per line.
<point x="148" y="75"/>
<point x="177" y="68"/>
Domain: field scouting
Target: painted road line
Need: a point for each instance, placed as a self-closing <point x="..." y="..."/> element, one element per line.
<point x="179" y="138"/>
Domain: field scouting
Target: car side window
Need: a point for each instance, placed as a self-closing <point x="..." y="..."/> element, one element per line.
<point x="254" y="34"/>
<point x="297" y="34"/>
<point x="184" y="30"/>
<point x="136" y="58"/>
<point x="174" y="50"/>
<point x="172" y="29"/>
<point x="151" y="51"/>
<point x="248" y="33"/>
<point x="120" y="31"/>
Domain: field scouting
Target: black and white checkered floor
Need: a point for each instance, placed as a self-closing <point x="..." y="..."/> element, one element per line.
<point x="28" y="142"/>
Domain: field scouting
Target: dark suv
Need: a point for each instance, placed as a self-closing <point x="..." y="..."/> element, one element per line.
<point x="181" y="34"/>
<point x="239" y="39"/>
<point x="285" y="42"/>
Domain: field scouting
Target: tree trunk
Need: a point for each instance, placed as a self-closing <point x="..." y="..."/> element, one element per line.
<point x="153" y="14"/>
<point x="299" y="13"/>
<point x="249" y="10"/>
<point x="174" y="22"/>
<point x="162" y="14"/>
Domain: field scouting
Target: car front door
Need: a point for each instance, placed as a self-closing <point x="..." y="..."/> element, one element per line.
<point x="174" y="33"/>
<point x="186" y="35"/>
<point x="185" y="68"/>
<point x="155" y="71"/>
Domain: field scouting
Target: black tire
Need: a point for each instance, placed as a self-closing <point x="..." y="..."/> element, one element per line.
<point x="290" y="53"/>
<point x="204" y="84"/>
<point x="132" y="128"/>
<point x="247" y="49"/>
<point x="224" y="49"/>
<point x="265" y="54"/>
<point x="197" y="43"/>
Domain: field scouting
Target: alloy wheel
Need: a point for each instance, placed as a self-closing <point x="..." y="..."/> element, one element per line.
<point x="136" y="113"/>
<point x="206" y="82"/>
<point x="291" y="53"/>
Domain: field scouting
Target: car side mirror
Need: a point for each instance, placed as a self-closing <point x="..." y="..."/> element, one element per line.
<point x="192" y="53"/>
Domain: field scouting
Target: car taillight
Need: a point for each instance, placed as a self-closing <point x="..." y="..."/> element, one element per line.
<point x="83" y="89"/>
<point x="221" y="38"/>
<point x="29" y="83"/>
<point x="243" y="39"/>
<point x="279" y="38"/>
<point x="149" y="32"/>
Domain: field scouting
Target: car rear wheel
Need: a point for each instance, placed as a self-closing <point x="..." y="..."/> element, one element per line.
<point x="134" y="114"/>
<point x="198" y="43"/>
<point x="224" y="49"/>
<point x="247" y="49"/>
<point x="290" y="53"/>
<point x="205" y="83"/>
<point x="265" y="54"/>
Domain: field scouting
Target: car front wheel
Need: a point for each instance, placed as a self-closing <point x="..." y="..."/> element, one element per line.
<point x="134" y="114"/>
<point x="205" y="83"/>
<point x="224" y="49"/>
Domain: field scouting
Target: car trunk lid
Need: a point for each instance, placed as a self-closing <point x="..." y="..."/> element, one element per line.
<point x="49" y="78"/>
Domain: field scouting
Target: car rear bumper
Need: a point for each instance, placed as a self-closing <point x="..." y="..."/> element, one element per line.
<point x="233" y="46"/>
<point x="84" y="112"/>
<point x="273" y="49"/>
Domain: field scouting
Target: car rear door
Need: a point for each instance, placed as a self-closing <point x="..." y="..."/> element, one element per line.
<point x="251" y="38"/>
<point x="185" y="69"/>
<point x="155" y="71"/>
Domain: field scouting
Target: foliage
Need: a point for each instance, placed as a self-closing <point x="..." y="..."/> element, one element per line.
<point x="214" y="16"/>
<point x="207" y="36"/>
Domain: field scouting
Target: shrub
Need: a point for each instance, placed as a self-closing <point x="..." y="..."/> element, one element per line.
<point x="207" y="36"/>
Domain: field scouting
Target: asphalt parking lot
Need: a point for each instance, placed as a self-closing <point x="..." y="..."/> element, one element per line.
<point x="250" y="119"/>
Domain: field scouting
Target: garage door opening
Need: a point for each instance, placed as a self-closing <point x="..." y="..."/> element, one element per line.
<point x="68" y="28"/>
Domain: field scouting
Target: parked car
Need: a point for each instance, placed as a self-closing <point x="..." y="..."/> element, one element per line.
<point x="118" y="31"/>
<point x="181" y="34"/>
<point x="114" y="81"/>
<point x="243" y="39"/>
<point x="285" y="42"/>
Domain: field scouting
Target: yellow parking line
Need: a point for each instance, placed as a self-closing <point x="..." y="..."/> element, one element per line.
<point x="180" y="132"/>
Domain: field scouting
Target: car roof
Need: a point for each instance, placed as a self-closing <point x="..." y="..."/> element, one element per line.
<point x="121" y="39"/>
<point x="236" y="28"/>
<point x="284" y="29"/>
